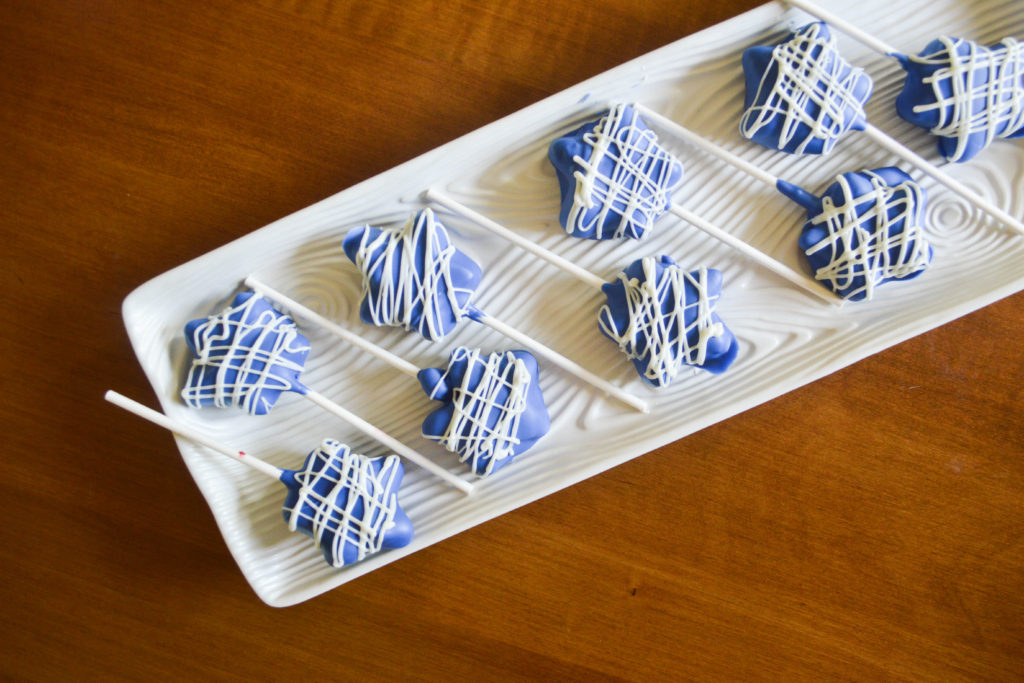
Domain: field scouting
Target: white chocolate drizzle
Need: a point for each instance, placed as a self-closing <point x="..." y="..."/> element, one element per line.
<point x="813" y="86"/>
<point x="866" y="251"/>
<point x="663" y="336"/>
<point x="477" y="399"/>
<point x="340" y="473"/>
<point x="628" y="188"/>
<point x="233" y="343"/>
<point x="978" y="92"/>
<point x="417" y="285"/>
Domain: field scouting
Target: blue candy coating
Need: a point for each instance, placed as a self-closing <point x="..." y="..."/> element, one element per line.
<point x="246" y="356"/>
<point x="879" y="250"/>
<point x="347" y="503"/>
<point x="631" y="186"/>
<point x="680" y="309"/>
<point x="464" y="381"/>
<point x="397" y="289"/>
<point x="967" y="94"/>
<point x="801" y="95"/>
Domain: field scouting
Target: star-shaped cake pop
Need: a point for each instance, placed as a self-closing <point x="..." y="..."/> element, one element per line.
<point x="866" y="229"/>
<point x="245" y="356"/>
<point x="413" y="277"/>
<point x="801" y="95"/>
<point x="492" y="410"/>
<point x="965" y="93"/>
<point x="614" y="177"/>
<point x="663" y="317"/>
<point x="347" y="503"/>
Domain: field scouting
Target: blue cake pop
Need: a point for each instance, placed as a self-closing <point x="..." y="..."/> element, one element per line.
<point x="615" y="179"/>
<point x="492" y="410"/>
<point x="414" y="277"/>
<point x="246" y="356"/>
<point x="347" y="503"/>
<point x="663" y="318"/>
<point x="801" y="95"/>
<point x="864" y="230"/>
<point x="965" y="93"/>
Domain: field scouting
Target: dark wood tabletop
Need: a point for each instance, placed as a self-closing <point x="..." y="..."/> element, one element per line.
<point x="867" y="526"/>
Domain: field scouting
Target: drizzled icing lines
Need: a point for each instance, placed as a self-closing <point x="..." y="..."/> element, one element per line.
<point x="345" y="501"/>
<point x="662" y="318"/>
<point x="494" y="408"/>
<point x="965" y="93"/>
<point x="413" y="277"/>
<point x="615" y="178"/>
<point x="869" y="230"/>
<point x="246" y="356"/>
<point x="802" y="96"/>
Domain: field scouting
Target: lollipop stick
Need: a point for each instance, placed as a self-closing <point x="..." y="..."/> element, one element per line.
<point x="576" y="271"/>
<point x="191" y="434"/>
<point x="706" y="145"/>
<point x="355" y="340"/>
<point x="804" y="282"/>
<point x="952" y="183"/>
<point x="800" y="280"/>
<point x="388" y="440"/>
<point x="844" y="26"/>
<point x="589" y="278"/>
<point x="558" y="359"/>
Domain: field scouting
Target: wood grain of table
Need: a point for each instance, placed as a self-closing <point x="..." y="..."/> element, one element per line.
<point x="867" y="526"/>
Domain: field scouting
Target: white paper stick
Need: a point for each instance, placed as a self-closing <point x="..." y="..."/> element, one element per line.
<point x="348" y="336"/>
<point x="191" y="434"/>
<point x="806" y="283"/>
<point x="561" y="361"/>
<point x="388" y="440"/>
<point x="706" y="145"/>
<point x="799" y="279"/>
<point x="950" y="182"/>
<point x="844" y="26"/>
<point x="554" y="259"/>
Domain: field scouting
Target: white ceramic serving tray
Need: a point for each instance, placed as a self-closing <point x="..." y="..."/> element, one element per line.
<point x="788" y="337"/>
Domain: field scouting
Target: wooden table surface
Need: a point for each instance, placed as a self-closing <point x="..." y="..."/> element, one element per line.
<point x="867" y="526"/>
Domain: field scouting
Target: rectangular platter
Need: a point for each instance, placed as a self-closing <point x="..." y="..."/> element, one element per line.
<point x="788" y="338"/>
